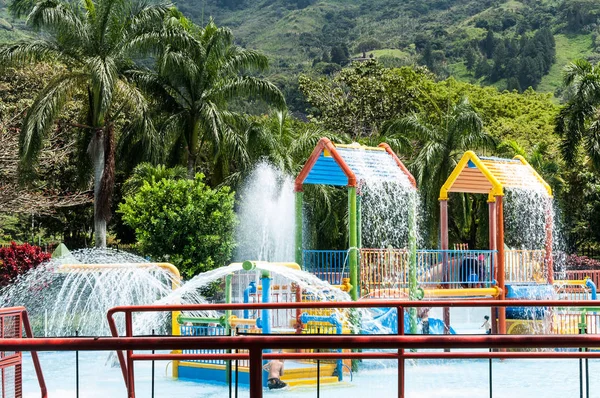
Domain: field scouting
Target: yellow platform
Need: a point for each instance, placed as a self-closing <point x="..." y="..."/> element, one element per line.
<point x="307" y="375"/>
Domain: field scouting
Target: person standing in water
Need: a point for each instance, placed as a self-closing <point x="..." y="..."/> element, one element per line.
<point x="487" y="326"/>
<point x="424" y="315"/>
<point x="275" y="369"/>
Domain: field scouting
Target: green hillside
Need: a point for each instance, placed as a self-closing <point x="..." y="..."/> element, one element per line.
<point x="458" y="38"/>
<point x="440" y="33"/>
<point x="11" y="29"/>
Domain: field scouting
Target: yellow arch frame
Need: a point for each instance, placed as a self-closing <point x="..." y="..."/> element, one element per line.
<point x="497" y="187"/>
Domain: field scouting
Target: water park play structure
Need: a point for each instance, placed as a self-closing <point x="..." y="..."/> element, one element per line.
<point x="252" y="282"/>
<point x="382" y="268"/>
<point x="408" y="273"/>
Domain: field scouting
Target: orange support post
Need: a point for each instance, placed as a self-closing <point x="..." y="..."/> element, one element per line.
<point x="444" y="246"/>
<point x="493" y="246"/>
<point x="444" y="224"/>
<point x="500" y="274"/>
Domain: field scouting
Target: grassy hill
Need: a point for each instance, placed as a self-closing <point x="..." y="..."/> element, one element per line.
<point x="11" y="29"/>
<point x="297" y="34"/>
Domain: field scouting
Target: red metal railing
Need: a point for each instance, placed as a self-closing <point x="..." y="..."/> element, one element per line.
<point x="255" y="344"/>
<point x="13" y="321"/>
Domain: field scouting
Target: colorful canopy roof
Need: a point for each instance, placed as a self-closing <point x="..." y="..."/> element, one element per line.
<point x="346" y="165"/>
<point x="491" y="175"/>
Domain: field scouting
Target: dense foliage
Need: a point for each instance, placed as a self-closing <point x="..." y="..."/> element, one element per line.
<point x="17" y="259"/>
<point x="184" y="222"/>
<point x="427" y="78"/>
<point x="575" y="262"/>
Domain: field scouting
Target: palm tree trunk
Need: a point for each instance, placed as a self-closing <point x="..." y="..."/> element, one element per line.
<point x="97" y="155"/>
<point x="191" y="166"/>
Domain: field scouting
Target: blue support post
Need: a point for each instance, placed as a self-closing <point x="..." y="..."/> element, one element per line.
<point x="265" y="318"/>
<point x="251" y="289"/>
<point x="592" y="286"/>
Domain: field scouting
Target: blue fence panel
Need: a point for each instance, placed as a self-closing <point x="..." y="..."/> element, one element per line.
<point x="204" y="330"/>
<point x="453" y="268"/>
<point x="327" y="265"/>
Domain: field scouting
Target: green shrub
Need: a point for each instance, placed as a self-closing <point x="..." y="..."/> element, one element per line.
<point x="184" y="222"/>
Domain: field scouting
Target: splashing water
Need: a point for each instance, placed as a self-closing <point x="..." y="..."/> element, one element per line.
<point x="525" y="216"/>
<point x="266" y="214"/>
<point x="387" y="198"/>
<point x="313" y="289"/>
<point x="62" y="301"/>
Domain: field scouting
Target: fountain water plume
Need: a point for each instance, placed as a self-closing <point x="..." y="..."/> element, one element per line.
<point x="266" y="214"/>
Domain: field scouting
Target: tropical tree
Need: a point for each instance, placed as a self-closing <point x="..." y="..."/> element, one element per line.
<point x="196" y="80"/>
<point x="578" y="122"/>
<point x="94" y="39"/>
<point x="440" y="141"/>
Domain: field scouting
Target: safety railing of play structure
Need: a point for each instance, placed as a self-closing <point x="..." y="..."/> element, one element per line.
<point x="327" y="265"/>
<point x="253" y="344"/>
<point x="384" y="271"/>
<point x="524" y="266"/>
<point x="14" y="322"/>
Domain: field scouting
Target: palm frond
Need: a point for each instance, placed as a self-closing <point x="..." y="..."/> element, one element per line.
<point x="104" y="77"/>
<point x="57" y="17"/>
<point x="409" y="127"/>
<point x="211" y="123"/>
<point x="592" y="143"/>
<point x="28" y="52"/>
<point x="238" y="59"/>
<point x="42" y="113"/>
<point x="249" y="87"/>
<point x="576" y="69"/>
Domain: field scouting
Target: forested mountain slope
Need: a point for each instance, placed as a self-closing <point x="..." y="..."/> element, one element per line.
<point x="509" y="44"/>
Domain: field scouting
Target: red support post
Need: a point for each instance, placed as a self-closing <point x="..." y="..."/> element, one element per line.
<point x="34" y="356"/>
<point x="401" y="361"/>
<point x="130" y="371"/>
<point x="256" y="369"/>
<point x="501" y="272"/>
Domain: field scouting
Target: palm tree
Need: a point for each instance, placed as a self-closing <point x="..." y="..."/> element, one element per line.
<point x="578" y="122"/>
<point x="440" y="139"/>
<point x="94" y="39"/>
<point x="196" y="80"/>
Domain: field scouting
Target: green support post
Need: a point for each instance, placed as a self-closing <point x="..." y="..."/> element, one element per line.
<point x="353" y="242"/>
<point x="412" y="271"/>
<point x="359" y="221"/>
<point x="227" y="301"/>
<point x="227" y="326"/>
<point x="299" y="199"/>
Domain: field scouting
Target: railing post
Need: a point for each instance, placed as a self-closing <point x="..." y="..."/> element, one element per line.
<point x="256" y="369"/>
<point x="130" y="373"/>
<point x="400" y="353"/>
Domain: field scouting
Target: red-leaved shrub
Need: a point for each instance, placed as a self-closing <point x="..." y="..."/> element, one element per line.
<point x="575" y="262"/>
<point x="18" y="259"/>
